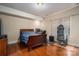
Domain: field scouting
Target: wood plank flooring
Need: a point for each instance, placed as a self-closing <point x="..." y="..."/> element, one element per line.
<point x="44" y="50"/>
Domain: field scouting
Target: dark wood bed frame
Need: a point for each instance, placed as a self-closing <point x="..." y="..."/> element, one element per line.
<point x="35" y="40"/>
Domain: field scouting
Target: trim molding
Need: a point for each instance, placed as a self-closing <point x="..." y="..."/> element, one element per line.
<point x="12" y="42"/>
<point x="15" y="12"/>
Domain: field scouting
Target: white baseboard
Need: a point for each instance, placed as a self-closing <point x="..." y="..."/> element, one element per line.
<point x="12" y="42"/>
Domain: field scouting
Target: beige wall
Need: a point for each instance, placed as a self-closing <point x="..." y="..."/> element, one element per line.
<point x="65" y="22"/>
<point x="62" y="15"/>
<point x="47" y="27"/>
<point x="12" y="25"/>
<point x="14" y="20"/>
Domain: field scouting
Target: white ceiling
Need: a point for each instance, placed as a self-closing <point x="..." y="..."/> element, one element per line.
<point x="47" y="8"/>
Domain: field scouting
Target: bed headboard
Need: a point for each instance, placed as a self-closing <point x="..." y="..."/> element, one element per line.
<point x="26" y="30"/>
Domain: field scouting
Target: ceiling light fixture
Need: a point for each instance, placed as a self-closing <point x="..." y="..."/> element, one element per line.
<point x="39" y="4"/>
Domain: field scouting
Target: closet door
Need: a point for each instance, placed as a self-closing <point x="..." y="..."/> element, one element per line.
<point x="74" y="30"/>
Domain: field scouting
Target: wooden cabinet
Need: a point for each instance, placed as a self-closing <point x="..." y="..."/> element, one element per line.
<point x="3" y="46"/>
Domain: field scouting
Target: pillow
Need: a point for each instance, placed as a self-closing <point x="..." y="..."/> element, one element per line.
<point x="25" y="34"/>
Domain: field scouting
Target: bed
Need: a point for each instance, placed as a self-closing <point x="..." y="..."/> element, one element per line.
<point x="32" y="39"/>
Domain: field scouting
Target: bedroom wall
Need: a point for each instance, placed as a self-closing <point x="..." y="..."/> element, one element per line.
<point x="13" y="20"/>
<point x="58" y="16"/>
<point x="65" y="22"/>
<point x="62" y="15"/>
<point x="11" y="26"/>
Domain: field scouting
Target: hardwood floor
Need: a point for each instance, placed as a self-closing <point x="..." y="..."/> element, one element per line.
<point x="45" y="50"/>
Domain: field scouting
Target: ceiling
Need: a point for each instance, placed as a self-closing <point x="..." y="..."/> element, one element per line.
<point x="41" y="11"/>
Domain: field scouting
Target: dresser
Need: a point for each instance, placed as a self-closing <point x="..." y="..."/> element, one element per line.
<point x="3" y="45"/>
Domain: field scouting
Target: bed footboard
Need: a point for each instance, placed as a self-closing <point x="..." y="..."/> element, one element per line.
<point x="36" y="41"/>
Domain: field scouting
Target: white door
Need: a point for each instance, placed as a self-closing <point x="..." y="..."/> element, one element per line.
<point x="74" y="30"/>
